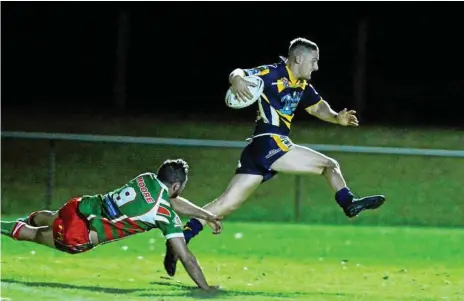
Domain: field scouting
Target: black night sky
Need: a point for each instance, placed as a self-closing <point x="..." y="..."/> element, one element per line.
<point x="62" y="56"/>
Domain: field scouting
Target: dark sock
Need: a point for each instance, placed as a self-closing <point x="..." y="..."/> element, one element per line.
<point x="344" y="197"/>
<point x="192" y="228"/>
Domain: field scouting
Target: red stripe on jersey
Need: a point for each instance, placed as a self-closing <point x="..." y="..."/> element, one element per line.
<point x="134" y="225"/>
<point x="164" y="211"/>
<point x="119" y="226"/>
<point x="107" y="228"/>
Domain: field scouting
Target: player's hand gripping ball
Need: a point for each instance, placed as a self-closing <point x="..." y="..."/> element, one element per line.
<point x="244" y="93"/>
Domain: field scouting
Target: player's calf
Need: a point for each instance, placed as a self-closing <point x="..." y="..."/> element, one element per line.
<point x="19" y="230"/>
<point x="40" y="218"/>
<point x="12" y="229"/>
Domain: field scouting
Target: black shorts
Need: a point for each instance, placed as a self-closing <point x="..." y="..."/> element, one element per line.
<point x="262" y="151"/>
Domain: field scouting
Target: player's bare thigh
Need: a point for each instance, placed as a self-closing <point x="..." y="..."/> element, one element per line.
<point x="238" y="190"/>
<point x="301" y="159"/>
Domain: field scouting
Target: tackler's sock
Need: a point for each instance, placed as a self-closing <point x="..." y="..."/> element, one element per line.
<point x="344" y="197"/>
<point x="12" y="229"/>
<point x="191" y="229"/>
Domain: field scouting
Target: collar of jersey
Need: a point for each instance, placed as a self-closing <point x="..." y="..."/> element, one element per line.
<point x="295" y="83"/>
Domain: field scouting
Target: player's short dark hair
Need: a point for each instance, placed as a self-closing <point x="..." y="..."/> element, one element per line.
<point x="302" y="42"/>
<point x="172" y="171"/>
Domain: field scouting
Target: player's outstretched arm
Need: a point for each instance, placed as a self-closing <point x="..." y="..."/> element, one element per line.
<point x="323" y="111"/>
<point x="185" y="207"/>
<point x="190" y="263"/>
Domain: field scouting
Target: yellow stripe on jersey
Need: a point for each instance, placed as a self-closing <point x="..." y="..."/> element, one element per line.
<point x="291" y="77"/>
<point x="287" y="119"/>
<point x="280" y="85"/>
<point x="294" y="82"/>
<point x="279" y="143"/>
<point x="308" y="108"/>
<point x="264" y="72"/>
<point x="265" y="98"/>
<point x="288" y="124"/>
<point x="275" y="120"/>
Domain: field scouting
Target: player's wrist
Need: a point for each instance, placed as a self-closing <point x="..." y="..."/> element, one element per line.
<point x="236" y="75"/>
<point x="210" y="217"/>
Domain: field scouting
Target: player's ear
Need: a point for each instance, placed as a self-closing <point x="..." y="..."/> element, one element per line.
<point x="298" y="59"/>
<point x="176" y="186"/>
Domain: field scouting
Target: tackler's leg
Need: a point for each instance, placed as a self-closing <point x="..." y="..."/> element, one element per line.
<point x="303" y="160"/>
<point x="19" y="230"/>
<point x="40" y="218"/>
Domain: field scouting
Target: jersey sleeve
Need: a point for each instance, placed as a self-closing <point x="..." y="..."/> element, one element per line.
<point x="310" y="97"/>
<point x="266" y="72"/>
<point x="169" y="222"/>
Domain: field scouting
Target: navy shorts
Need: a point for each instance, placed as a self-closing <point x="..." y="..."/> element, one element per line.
<point x="262" y="151"/>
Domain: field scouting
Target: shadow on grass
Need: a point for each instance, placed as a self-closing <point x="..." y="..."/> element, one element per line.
<point x="196" y="293"/>
<point x="97" y="289"/>
<point x="173" y="289"/>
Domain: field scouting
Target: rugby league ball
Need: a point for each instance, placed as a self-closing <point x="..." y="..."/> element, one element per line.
<point x="256" y="91"/>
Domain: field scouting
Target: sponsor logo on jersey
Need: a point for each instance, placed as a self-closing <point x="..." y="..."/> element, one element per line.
<point x="111" y="208"/>
<point x="289" y="102"/>
<point x="273" y="152"/>
<point x="177" y="221"/>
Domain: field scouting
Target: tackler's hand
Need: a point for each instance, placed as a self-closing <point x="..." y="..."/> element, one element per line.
<point x="240" y="88"/>
<point x="215" y="223"/>
<point x="347" y="118"/>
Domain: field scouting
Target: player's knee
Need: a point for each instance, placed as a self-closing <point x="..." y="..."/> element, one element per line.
<point x="44" y="218"/>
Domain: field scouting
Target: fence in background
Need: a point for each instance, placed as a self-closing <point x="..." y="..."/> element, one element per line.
<point x="53" y="137"/>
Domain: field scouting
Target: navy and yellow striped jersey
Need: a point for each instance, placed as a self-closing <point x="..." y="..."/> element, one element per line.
<point x="281" y="96"/>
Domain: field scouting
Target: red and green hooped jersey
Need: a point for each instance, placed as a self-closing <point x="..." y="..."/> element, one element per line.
<point x="139" y="206"/>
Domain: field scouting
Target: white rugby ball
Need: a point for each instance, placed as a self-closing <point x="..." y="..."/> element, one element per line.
<point x="234" y="103"/>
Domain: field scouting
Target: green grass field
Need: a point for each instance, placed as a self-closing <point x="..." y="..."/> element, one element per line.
<point x="270" y="262"/>
<point x="377" y="256"/>
<point x="424" y="191"/>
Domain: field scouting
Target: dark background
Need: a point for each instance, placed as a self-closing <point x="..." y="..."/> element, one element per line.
<point x="62" y="56"/>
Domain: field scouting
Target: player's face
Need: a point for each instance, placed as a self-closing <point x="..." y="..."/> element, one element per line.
<point x="309" y="64"/>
